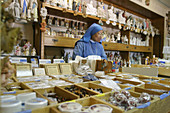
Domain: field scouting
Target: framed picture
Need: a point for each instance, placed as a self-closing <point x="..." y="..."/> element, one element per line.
<point x="39" y="71"/>
<point x="52" y="69"/>
<point x="23" y="70"/>
<point x="65" y="68"/>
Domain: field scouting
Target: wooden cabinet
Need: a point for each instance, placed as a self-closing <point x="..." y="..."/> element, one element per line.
<point x="55" y="41"/>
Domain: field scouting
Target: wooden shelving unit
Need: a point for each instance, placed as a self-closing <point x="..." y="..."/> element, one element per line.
<point x="55" y="41"/>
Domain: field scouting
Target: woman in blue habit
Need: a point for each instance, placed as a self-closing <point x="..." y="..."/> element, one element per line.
<point x="90" y="43"/>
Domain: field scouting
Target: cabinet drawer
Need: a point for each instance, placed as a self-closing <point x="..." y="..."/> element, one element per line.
<point x="140" y="48"/>
<point x="115" y="46"/>
<point x="60" y="41"/>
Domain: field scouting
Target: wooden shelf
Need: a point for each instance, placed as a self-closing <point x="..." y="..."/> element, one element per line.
<point x="70" y="42"/>
<point x="78" y="13"/>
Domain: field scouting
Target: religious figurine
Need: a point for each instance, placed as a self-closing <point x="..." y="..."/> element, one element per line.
<point x="43" y="13"/>
<point x="70" y="4"/>
<point x="121" y="19"/>
<point x="79" y="6"/>
<point x="33" y="53"/>
<point x="34" y="6"/>
<point x="50" y="20"/>
<point x="74" y="5"/>
<point x="129" y="22"/>
<point x="17" y="10"/>
<point x="26" y="52"/>
<point x="53" y="2"/>
<point x="65" y="4"/>
<point x="100" y="10"/>
<point x="18" y="51"/>
<point x="112" y="16"/>
<point x="118" y="37"/>
<point x="84" y="8"/>
<point x="47" y="1"/>
<point x="29" y="14"/>
<point x="24" y="6"/>
<point x="90" y="9"/>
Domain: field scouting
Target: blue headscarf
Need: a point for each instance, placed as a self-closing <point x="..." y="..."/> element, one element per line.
<point x="93" y="29"/>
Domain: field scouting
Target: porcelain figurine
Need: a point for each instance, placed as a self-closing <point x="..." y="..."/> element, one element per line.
<point x="33" y="53"/>
<point x="70" y="5"/>
<point x="18" y="51"/>
<point x="90" y="9"/>
<point x="17" y="10"/>
<point x="29" y="14"/>
<point x="24" y="6"/>
<point x="74" y="5"/>
<point x="129" y="22"/>
<point x="34" y="6"/>
<point x="84" y="8"/>
<point x="100" y="11"/>
<point x="112" y="16"/>
<point x="121" y="19"/>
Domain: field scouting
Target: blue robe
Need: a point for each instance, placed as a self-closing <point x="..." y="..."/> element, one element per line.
<point x="85" y="46"/>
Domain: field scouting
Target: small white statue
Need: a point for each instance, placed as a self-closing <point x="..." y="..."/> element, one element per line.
<point x="17" y="9"/>
<point x="43" y="13"/>
<point x="121" y="19"/>
<point x="65" y="4"/>
<point x="100" y="11"/>
<point x="11" y="8"/>
<point x="90" y="9"/>
<point x="34" y="6"/>
<point x="112" y="16"/>
<point x="29" y="14"/>
<point x="33" y="53"/>
<point x="118" y="36"/>
<point x="129" y="22"/>
<point x="53" y="2"/>
<point x="70" y="4"/>
<point x="26" y="53"/>
<point x="47" y="1"/>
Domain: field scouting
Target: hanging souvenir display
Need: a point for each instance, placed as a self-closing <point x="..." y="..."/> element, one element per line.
<point x="43" y="26"/>
<point x="43" y="13"/>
